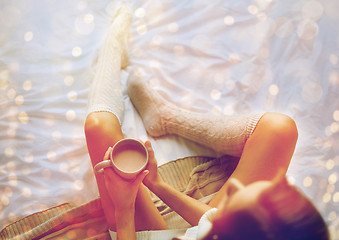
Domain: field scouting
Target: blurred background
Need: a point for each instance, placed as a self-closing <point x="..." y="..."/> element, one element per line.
<point x="220" y="57"/>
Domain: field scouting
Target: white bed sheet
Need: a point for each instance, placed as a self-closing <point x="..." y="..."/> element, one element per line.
<point x="221" y="57"/>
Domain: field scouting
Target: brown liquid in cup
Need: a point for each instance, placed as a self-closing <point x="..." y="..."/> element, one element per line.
<point x="129" y="158"/>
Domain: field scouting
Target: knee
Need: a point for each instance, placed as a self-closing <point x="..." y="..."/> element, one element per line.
<point x="101" y="123"/>
<point x="93" y="124"/>
<point x="280" y="128"/>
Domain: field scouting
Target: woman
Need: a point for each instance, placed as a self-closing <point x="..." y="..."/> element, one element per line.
<point x="249" y="200"/>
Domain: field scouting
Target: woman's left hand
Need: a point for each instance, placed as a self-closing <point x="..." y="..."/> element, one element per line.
<point x="122" y="192"/>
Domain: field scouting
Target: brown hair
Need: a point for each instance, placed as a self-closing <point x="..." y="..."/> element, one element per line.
<point x="289" y="215"/>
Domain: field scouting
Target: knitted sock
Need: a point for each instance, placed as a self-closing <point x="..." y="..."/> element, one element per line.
<point x="224" y="134"/>
<point x="106" y="92"/>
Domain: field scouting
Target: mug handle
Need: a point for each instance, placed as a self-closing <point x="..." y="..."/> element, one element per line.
<point x="99" y="167"/>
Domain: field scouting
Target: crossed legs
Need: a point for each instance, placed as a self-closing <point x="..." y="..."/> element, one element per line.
<point x="267" y="152"/>
<point x="264" y="143"/>
<point x="102" y="130"/>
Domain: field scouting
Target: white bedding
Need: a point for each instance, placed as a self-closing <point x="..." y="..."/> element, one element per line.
<point x="221" y="57"/>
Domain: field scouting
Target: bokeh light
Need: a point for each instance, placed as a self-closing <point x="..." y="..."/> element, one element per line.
<point x="229" y="110"/>
<point x="252" y="9"/>
<point x="19" y="100"/>
<point x="23" y="117"/>
<point x="140" y="12"/>
<point x="11" y="166"/>
<point x="273" y="90"/>
<point x="3" y="84"/>
<point x="336" y="197"/>
<point x="68" y="80"/>
<point x="26" y="192"/>
<point x="11" y="93"/>
<point x="70" y="115"/>
<point x="27" y="85"/>
<point x="215" y="94"/>
<point x="262" y="16"/>
<point x="291" y="180"/>
<point x="307" y="182"/>
<point x="229" y="20"/>
<point x="78" y="185"/>
<point x="72" y="96"/>
<point x="327" y="197"/>
<point x="173" y="27"/>
<point x="76" y="51"/>
<point x="9" y="151"/>
<point x="330" y="164"/>
<point x="28" y="36"/>
<point x="20" y="92"/>
<point x="4" y="200"/>
<point x="332" y="179"/>
<point x="334" y="78"/>
<point x="84" y="24"/>
<point x="29" y="157"/>
<point x="336" y="115"/>
<point x="12" y="179"/>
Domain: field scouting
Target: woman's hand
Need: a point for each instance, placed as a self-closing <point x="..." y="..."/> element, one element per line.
<point x="122" y="192"/>
<point x="152" y="178"/>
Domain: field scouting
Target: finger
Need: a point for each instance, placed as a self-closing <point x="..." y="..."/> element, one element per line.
<point x="141" y="177"/>
<point x="106" y="156"/>
<point x="148" y="144"/>
<point x="150" y="150"/>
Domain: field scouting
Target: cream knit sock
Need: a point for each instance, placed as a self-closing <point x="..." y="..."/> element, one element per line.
<point x="224" y="134"/>
<point x="106" y="92"/>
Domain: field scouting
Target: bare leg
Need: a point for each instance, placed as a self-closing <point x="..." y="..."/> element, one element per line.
<point x="267" y="151"/>
<point x="102" y="130"/>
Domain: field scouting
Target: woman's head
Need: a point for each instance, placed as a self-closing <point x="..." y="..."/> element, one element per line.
<point x="267" y="210"/>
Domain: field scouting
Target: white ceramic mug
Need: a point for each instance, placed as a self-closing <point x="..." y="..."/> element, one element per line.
<point x="128" y="158"/>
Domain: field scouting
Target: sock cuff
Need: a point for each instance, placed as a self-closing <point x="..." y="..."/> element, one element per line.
<point x="252" y="124"/>
<point x="118" y="111"/>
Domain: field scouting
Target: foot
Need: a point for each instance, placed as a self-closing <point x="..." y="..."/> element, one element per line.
<point x="120" y="31"/>
<point x="149" y="104"/>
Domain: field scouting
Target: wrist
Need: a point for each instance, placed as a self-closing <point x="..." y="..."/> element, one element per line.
<point x="156" y="186"/>
<point x="124" y="217"/>
<point x="125" y="226"/>
<point x="125" y="208"/>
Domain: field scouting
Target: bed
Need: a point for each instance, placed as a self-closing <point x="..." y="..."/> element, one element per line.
<point x="221" y="57"/>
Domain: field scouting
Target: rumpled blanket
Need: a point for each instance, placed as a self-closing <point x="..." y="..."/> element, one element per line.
<point x="199" y="177"/>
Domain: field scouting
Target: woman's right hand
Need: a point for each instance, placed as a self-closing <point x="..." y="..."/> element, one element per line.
<point x="152" y="178"/>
